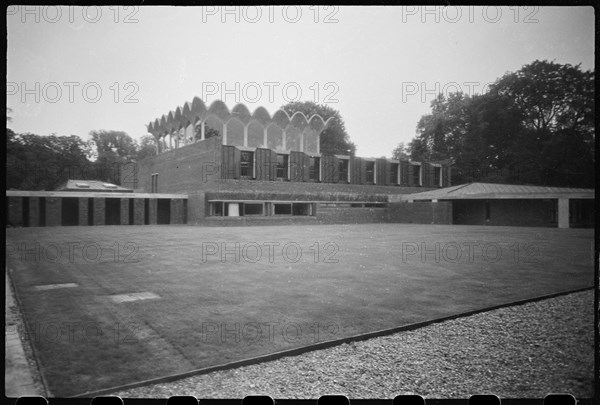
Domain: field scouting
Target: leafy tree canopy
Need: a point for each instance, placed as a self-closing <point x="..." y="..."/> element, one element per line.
<point x="534" y="126"/>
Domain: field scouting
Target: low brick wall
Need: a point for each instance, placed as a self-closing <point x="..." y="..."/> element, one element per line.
<point x="257" y="221"/>
<point x="99" y="211"/>
<point x="420" y="212"/>
<point x="338" y="215"/>
<point x="83" y="211"/>
<point x="138" y="211"/>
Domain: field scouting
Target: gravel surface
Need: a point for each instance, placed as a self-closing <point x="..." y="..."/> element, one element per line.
<point x="524" y="351"/>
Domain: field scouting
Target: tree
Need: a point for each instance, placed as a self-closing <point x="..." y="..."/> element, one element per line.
<point x="556" y="107"/>
<point x="114" y="146"/>
<point x="146" y="148"/>
<point x="401" y="152"/>
<point x="551" y="96"/>
<point x="114" y="149"/>
<point x="44" y="162"/>
<point x="334" y="138"/>
<point x="534" y="126"/>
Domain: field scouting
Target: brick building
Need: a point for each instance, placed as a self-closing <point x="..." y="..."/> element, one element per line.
<point x="216" y="167"/>
<point x="254" y="168"/>
<point x="513" y="205"/>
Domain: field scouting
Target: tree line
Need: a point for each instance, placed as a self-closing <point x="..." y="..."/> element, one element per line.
<point x="37" y="162"/>
<point x="534" y="126"/>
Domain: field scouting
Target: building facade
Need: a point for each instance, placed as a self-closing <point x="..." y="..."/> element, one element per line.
<point x="513" y="205"/>
<point x="259" y="168"/>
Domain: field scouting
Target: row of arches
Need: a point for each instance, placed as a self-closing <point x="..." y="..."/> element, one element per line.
<point x="195" y="122"/>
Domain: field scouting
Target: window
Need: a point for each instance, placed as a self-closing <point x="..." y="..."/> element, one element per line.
<point x="282" y="166"/>
<point x="394" y="173"/>
<point x="315" y="168"/>
<point x="375" y="205"/>
<point x="417" y="175"/>
<point x="370" y="172"/>
<point x="283" y="209"/>
<point x="437" y="176"/>
<point x="343" y="170"/>
<point x="253" y="209"/>
<point x="155" y="183"/>
<point x="488" y="211"/>
<point x="247" y="165"/>
<point x="301" y="209"/>
<point x="219" y="209"/>
<point x="261" y="208"/>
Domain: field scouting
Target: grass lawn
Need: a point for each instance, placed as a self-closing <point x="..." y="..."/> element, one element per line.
<point x="212" y="309"/>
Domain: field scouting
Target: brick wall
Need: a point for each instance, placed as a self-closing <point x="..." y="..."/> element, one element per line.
<point x="319" y="191"/>
<point x="138" y="211"/>
<point x="533" y="212"/>
<point x="420" y="212"/>
<point x="83" y="211"/>
<point x="99" y="208"/>
<point x="198" y="167"/>
<point x="124" y="211"/>
<point x="184" y="169"/>
<point x="339" y="215"/>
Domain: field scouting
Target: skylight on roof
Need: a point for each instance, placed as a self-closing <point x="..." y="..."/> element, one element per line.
<point x="82" y="185"/>
<point x="108" y="185"/>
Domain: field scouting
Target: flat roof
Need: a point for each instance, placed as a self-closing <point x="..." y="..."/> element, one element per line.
<point x="500" y="191"/>
<point x="90" y="194"/>
<point x="92" y="185"/>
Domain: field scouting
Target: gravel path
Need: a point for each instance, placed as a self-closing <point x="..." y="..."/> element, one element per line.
<point x="524" y="351"/>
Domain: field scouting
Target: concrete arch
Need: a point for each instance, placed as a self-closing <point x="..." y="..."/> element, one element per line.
<point x="256" y="134"/>
<point x="235" y="132"/>
<point x="219" y="109"/>
<point x="215" y="123"/>
<point x="198" y="108"/>
<point x="262" y="115"/>
<point x="275" y="137"/>
<point x="241" y="112"/>
<point x="281" y="118"/>
<point x="316" y="122"/>
<point x="299" y="120"/>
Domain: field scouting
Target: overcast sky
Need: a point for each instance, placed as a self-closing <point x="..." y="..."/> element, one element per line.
<point x="118" y="68"/>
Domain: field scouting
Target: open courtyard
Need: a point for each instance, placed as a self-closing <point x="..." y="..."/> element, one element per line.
<point x="106" y="306"/>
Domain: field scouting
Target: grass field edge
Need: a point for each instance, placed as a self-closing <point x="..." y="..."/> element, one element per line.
<point x="28" y="332"/>
<point x="319" y="346"/>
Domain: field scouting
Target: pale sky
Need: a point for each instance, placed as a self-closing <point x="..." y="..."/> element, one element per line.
<point x="380" y="67"/>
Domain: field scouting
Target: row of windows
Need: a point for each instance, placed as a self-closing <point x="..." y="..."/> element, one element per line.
<point x="240" y="209"/>
<point x="247" y="170"/>
<point x="247" y="166"/>
<point x="260" y="208"/>
<point x="352" y="205"/>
